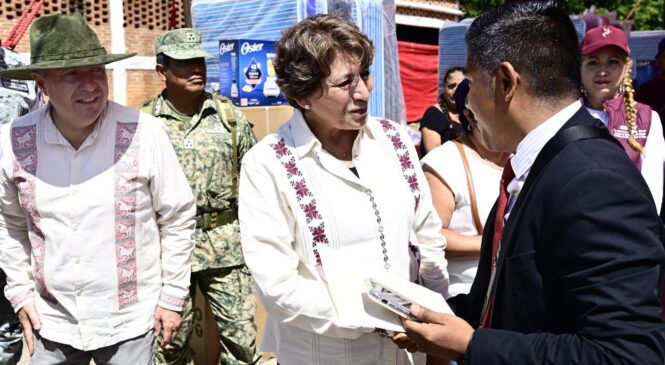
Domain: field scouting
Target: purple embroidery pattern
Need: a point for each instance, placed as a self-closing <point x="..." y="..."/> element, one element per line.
<point x="405" y="159"/>
<point x="172" y="301"/>
<point x="414" y="251"/>
<point x="304" y="197"/>
<point x="24" y="145"/>
<point x="126" y="166"/>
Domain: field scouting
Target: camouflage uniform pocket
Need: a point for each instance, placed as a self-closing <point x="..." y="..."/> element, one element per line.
<point x="231" y="293"/>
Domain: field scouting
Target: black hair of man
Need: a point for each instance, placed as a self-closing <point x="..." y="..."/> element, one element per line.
<point x="163" y="59"/>
<point x="537" y="38"/>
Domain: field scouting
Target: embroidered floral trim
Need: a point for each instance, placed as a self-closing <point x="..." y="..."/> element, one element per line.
<point x="306" y="199"/>
<point x="15" y="301"/>
<point x="404" y="157"/>
<point x="415" y="257"/>
<point x="172" y="300"/>
<point x="304" y="196"/>
<point x="24" y="146"/>
<point x="126" y="167"/>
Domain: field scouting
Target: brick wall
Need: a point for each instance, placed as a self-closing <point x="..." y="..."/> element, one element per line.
<point x="142" y="85"/>
<point x="143" y="21"/>
<point x="109" y="76"/>
<point x="403" y="10"/>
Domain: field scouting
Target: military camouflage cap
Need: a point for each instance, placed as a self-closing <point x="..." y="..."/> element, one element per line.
<point x="62" y="41"/>
<point x="181" y="44"/>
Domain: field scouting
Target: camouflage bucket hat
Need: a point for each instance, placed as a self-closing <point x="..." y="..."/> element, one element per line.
<point x="181" y="44"/>
<point x="62" y="41"/>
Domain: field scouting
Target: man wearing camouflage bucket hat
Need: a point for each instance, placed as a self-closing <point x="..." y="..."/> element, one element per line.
<point x="96" y="216"/>
<point x="210" y="137"/>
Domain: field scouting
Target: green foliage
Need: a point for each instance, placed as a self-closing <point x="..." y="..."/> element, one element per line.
<point x="473" y="8"/>
<point x="648" y="16"/>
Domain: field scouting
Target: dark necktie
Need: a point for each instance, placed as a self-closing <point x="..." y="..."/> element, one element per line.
<point x="506" y="178"/>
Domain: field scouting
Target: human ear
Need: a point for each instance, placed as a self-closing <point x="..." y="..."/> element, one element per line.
<point x="161" y="71"/>
<point x="41" y="83"/>
<point x="303" y="103"/>
<point x="506" y="81"/>
<point x="470" y="117"/>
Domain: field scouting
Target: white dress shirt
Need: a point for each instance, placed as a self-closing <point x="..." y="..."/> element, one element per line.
<point x="279" y="248"/>
<point x="529" y="148"/>
<point x="98" y="236"/>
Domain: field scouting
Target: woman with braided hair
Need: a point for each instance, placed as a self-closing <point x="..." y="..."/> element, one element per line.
<point x="608" y="94"/>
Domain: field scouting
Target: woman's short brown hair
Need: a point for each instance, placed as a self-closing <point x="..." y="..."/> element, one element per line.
<point x="306" y="51"/>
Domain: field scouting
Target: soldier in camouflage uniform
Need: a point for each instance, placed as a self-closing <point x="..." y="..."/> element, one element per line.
<point x="17" y="97"/>
<point x="210" y="137"/>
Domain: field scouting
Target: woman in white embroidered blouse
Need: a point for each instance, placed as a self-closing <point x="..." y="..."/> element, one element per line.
<point x="447" y="177"/>
<point x="332" y="176"/>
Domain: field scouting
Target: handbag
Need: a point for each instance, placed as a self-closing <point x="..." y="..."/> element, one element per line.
<point x="472" y="191"/>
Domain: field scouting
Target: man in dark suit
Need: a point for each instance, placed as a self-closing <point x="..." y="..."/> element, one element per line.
<point x="574" y="276"/>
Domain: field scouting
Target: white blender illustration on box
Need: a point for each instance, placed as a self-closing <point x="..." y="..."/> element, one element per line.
<point x="234" y="84"/>
<point x="247" y="72"/>
<point x="270" y="87"/>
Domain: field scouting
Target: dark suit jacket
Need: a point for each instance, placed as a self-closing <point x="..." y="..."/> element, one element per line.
<point x="580" y="262"/>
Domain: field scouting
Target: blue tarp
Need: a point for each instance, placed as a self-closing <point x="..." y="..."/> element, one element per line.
<point x="265" y="20"/>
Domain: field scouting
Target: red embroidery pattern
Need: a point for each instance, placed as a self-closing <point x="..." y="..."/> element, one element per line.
<point x="404" y="157"/>
<point x="20" y="298"/>
<point x="24" y="146"/>
<point x="304" y="196"/>
<point x="126" y="166"/>
<point x="172" y="301"/>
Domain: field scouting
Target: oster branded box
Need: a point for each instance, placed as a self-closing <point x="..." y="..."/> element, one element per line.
<point x="246" y="72"/>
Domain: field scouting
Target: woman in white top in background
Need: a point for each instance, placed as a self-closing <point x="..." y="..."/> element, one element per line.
<point x="608" y="94"/>
<point x="333" y="176"/>
<point x="447" y="178"/>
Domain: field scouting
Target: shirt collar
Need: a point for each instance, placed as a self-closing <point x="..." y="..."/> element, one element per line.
<point x="52" y="134"/>
<point x="167" y="108"/>
<point x="303" y="139"/>
<point x="529" y="148"/>
<point x="306" y="142"/>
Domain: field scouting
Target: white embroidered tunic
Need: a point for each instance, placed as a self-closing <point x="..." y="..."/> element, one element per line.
<point x="80" y="229"/>
<point x="294" y="197"/>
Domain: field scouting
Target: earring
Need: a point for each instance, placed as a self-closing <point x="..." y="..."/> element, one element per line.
<point x="622" y="88"/>
<point x="583" y="92"/>
<point x="307" y="107"/>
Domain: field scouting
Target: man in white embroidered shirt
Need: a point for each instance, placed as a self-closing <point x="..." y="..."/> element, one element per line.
<point x="97" y="217"/>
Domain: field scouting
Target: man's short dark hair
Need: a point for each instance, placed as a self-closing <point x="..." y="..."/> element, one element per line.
<point x="537" y="38"/>
<point x="163" y="60"/>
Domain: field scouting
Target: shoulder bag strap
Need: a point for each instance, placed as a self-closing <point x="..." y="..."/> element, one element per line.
<point x="551" y="149"/>
<point x="472" y="190"/>
<point x="562" y="139"/>
<point x="149" y="107"/>
<point x="225" y="112"/>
